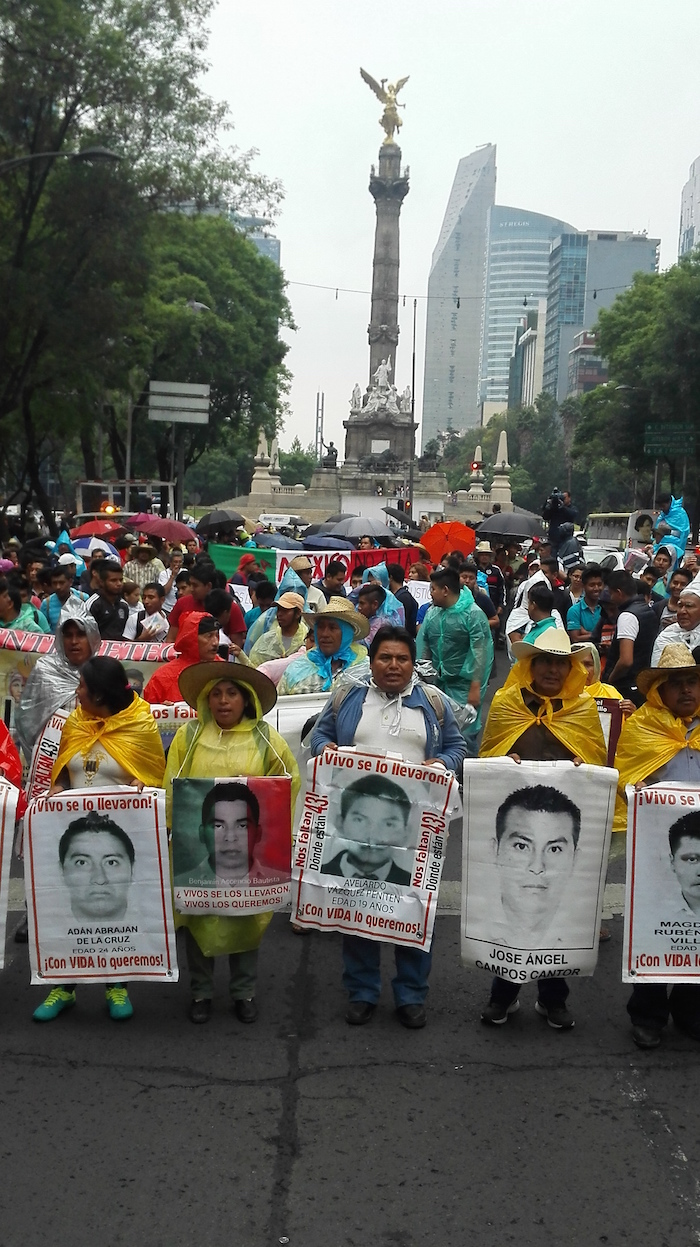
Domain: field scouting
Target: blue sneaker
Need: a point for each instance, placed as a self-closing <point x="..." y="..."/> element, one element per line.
<point x="118" y="1003"/>
<point x="57" y="1000"/>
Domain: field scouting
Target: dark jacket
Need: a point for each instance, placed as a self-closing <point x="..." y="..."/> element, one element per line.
<point x="643" y="645"/>
<point x="396" y="874"/>
<point x="556" y="514"/>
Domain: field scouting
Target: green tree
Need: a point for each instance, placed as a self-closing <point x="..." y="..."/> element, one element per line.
<point x="297" y="465"/>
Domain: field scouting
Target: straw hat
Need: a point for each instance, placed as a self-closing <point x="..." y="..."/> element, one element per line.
<point x="342" y="610"/>
<point x="301" y="564"/>
<point x="551" y="641"/>
<point x="483" y="547"/>
<point x="193" y="679"/>
<point x="674" y="657"/>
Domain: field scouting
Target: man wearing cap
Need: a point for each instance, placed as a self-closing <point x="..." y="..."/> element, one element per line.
<point x="62" y="577"/>
<point x="145" y="568"/>
<point x="660" y="744"/>
<point x="542" y="715"/>
<point x="337" y="628"/>
<point x="490" y="577"/>
<point x="686" y="629"/>
<point x="285" y="635"/>
<point x="315" y="599"/>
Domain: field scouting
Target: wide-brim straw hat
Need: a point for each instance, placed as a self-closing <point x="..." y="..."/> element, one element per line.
<point x="674" y="657"/>
<point x="551" y="641"/>
<point x="342" y="610"/>
<point x="193" y="679"/>
<point x="484" y="547"/>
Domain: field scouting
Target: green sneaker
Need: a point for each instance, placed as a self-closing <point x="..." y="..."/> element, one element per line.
<point x="118" y="1003"/>
<point x="57" y="1000"/>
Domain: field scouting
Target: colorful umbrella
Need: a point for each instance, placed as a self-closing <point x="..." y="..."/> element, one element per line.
<point x="156" y="526"/>
<point x="450" y="535"/>
<point x="88" y="545"/>
<point x="98" y="528"/>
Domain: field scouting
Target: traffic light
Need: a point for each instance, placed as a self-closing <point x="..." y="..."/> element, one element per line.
<point x="476" y="466"/>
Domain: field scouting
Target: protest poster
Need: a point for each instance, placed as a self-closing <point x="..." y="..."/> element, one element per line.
<point x="610" y="716"/>
<point x="276" y="562"/>
<point x="640" y="528"/>
<point x="8" y="814"/>
<point x="370" y="846"/>
<point x="662" y="889"/>
<point x="169" y="718"/>
<point x="44" y="755"/>
<point x="98" y="887"/>
<point x="535" y="854"/>
<point x="232" y="841"/>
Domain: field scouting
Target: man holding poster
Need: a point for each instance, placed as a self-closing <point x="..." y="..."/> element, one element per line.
<point x="659" y="745"/>
<point x="391" y="713"/>
<point x="541" y="715"/>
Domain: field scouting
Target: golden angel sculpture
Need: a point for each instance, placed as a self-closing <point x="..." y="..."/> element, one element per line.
<point x="389" y="120"/>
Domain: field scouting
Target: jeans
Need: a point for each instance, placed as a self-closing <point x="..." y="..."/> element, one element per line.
<point x="649" y="1005"/>
<point x="549" y="991"/>
<point x="243" y="970"/>
<point x="362" y="971"/>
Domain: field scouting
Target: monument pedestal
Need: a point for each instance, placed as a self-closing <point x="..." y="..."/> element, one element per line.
<point x="323" y="493"/>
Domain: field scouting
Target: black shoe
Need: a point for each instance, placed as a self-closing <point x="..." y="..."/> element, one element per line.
<point x="200" y="1011"/>
<point x="359" y="1012"/>
<point x="646" y="1036"/>
<point x="691" y="1029"/>
<point x="245" y="1010"/>
<point x="496" y="1014"/>
<point x="412" y="1016"/>
<point x="557" y="1016"/>
<point x="22" y="932"/>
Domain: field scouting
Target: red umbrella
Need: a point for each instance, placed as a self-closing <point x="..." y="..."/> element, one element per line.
<point x="98" y="528"/>
<point x="154" y="526"/>
<point x="451" y="535"/>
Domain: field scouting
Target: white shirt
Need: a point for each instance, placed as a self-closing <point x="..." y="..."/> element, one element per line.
<point x="627" y="627"/>
<point x="98" y="768"/>
<point x="673" y="635"/>
<point x="378" y="714"/>
<point x="171" y="596"/>
<point x="315" y="599"/>
<point x="520" y="621"/>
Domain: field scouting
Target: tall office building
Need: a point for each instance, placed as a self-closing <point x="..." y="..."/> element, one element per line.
<point x="517" y="271"/>
<point x="689" y="236"/>
<point x="455" y="298"/>
<point x="586" y="273"/>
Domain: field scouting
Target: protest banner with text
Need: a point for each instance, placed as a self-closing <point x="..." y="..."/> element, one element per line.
<point x="8" y="813"/>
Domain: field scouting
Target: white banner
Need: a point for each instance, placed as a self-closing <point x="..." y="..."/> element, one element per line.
<point x="370" y="846"/>
<point x="535" y="853"/>
<point x="232" y="841"/>
<point x="98" y="887"/>
<point x="44" y="755"/>
<point x="662" y="891"/>
<point x="8" y="814"/>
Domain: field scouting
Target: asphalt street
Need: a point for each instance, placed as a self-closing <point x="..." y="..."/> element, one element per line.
<point x="300" y="1129"/>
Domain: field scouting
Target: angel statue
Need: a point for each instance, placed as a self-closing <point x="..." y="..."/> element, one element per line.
<point x="389" y="120"/>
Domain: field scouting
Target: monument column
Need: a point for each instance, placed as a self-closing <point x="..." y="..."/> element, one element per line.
<point x="388" y="187"/>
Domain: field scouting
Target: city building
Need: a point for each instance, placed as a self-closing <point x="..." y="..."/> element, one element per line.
<point x="586" y="273"/>
<point x="587" y="368"/>
<point x="517" y="272"/>
<point x="455" y="298"/>
<point x="255" y="229"/>
<point x="527" y="359"/>
<point x="689" y="236"/>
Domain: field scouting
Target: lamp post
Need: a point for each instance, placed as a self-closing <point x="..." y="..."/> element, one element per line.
<point x="88" y="155"/>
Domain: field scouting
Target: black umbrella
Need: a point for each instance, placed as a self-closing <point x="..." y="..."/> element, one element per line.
<point x="321" y="541"/>
<point x="346" y="515"/>
<point x="213" y="520"/>
<point x="404" y="517"/>
<point x="510" y="524"/>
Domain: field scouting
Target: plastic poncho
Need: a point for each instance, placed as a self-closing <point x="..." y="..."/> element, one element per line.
<point x="30" y="619"/>
<point x="11" y="766"/>
<point x="457" y="640"/>
<point x="290" y="583"/>
<point x="650" y="738"/>
<point x="391" y="609"/>
<point x="596" y="687"/>
<point x="313" y="672"/>
<point x="676" y="519"/>
<point x="271" y="644"/>
<point x="163" y="688"/>
<point x="204" y="751"/>
<point x="64" y="545"/>
<point x="131" y="737"/>
<point x="52" y="683"/>
<point x="576" y="724"/>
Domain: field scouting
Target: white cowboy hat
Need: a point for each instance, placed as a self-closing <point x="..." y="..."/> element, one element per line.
<point x="551" y="641"/>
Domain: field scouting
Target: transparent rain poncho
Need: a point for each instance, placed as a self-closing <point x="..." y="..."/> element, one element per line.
<point x="54" y="680"/>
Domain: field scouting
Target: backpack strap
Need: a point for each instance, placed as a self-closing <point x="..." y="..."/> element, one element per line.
<point x="339" y="695"/>
<point x="435" y="699"/>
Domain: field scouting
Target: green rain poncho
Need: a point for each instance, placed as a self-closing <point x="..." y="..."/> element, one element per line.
<point x="205" y="752"/>
<point x="457" y="640"/>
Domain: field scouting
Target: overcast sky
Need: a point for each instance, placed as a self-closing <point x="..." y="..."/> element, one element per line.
<point x="594" y="108"/>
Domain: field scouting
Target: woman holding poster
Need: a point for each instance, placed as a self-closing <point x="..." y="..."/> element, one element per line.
<point x="541" y="715"/>
<point x="228" y="737"/>
<point x="660" y="744"/>
<point x="110" y="740"/>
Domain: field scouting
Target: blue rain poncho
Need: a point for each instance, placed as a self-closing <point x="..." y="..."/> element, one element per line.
<point x="390" y="607"/>
<point x="313" y="672"/>
<point x="678" y="525"/>
<point x="457" y="640"/>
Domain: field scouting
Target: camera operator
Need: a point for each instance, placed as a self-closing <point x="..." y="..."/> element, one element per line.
<point x="558" y="510"/>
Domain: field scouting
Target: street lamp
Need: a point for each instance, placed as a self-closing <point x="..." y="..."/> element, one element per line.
<point x="88" y="155"/>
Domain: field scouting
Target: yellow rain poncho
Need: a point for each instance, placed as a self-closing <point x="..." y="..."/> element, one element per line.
<point x="650" y="738"/>
<point x="576" y="724"/>
<point x="272" y="645"/>
<point x="599" y="689"/>
<point x="131" y="737"/>
<point x="204" y="751"/>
